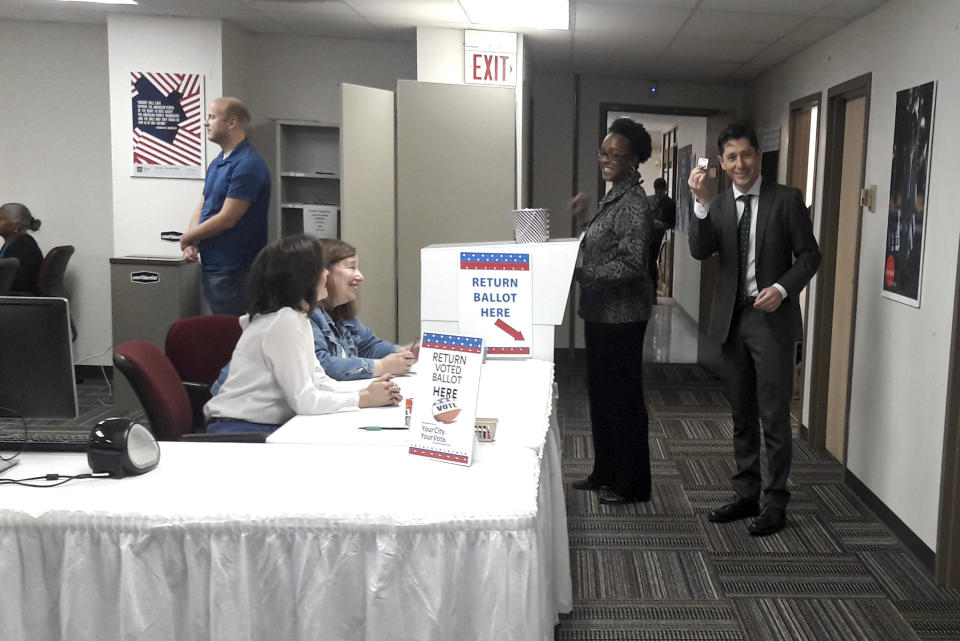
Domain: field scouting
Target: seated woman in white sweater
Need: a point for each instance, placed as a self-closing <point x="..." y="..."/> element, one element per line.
<point x="274" y="374"/>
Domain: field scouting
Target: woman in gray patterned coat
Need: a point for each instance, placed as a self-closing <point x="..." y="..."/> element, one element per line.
<point x="616" y="298"/>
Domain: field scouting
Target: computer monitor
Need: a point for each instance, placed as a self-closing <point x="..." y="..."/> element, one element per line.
<point x="36" y="357"/>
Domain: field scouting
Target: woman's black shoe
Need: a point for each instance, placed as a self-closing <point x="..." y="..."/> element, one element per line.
<point x="609" y="497"/>
<point x="587" y="484"/>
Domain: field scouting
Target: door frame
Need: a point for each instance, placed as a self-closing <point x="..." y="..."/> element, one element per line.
<point x="947" y="553"/>
<point x="837" y="98"/>
<point x="800" y="104"/>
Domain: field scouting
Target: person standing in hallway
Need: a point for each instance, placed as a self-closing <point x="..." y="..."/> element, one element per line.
<point x="665" y="217"/>
<point x="229" y="227"/>
<point x="616" y="300"/>
<point x="767" y="254"/>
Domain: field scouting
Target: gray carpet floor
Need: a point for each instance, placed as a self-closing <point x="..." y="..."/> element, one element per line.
<point x="662" y="571"/>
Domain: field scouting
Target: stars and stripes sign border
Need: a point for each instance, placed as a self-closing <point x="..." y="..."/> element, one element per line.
<point x="495" y="261"/>
<point x="185" y="157"/>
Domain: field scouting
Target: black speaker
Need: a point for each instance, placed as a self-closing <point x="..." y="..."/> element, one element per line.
<point x="121" y="447"/>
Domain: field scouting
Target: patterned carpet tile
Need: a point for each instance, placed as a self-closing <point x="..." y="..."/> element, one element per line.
<point x="709" y="621"/>
<point x="706" y="498"/>
<point x="646" y="575"/>
<point x="932" y="621"/>
<point x="903" y="578"/>
<point x="784" y="619"/>
<point x="665" y="499"/>
<point x="672" y="400"/>
<point x="579" y="445"/>
<point x="702" y="448"/>
<point x="706" y="471"/>
<point x="804" y="535"/>
<point x="864" y="535"/>
<point x="796" y="575"/>
<point x="661" y="471"/>
<point x="812" y="473"/>
<point x="648" y="532"/>
<point x="701" y="428"/>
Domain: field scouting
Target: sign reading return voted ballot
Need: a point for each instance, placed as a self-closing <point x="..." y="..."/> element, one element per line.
<point x="496" y="301"/>
<point x="445" y="402"/>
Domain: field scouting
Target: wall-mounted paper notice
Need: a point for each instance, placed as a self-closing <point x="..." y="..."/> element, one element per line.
<point x="320" y="221"/>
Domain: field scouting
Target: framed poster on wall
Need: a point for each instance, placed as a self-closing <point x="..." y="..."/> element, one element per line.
<point x="909" y="182"/>
<point x="168" y="132"/>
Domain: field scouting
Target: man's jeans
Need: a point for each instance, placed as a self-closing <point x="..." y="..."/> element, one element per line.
<point x="225" y="290"/>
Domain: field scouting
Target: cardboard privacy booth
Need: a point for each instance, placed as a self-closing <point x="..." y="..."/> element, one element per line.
<point x="512" y="295"/>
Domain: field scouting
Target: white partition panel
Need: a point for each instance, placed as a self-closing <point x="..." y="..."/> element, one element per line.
<point x="367" y="192"/>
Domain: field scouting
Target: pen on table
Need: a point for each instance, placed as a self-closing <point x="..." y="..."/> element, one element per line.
<point x="377" y="428"/>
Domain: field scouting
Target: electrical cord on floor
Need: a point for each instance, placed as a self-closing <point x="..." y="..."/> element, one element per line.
<point x="53" y="479"/>
<point x="103" y="370"/>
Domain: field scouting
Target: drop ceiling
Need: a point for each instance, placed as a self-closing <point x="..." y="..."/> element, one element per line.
<point x="718" y="41"/>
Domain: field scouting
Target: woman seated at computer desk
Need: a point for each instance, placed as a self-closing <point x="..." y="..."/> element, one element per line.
<point x="273" y="373"/>
<point x="345" y="347"/>
<point x="15" y="221"/>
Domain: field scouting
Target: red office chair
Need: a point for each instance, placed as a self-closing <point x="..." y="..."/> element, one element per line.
<point x="163" y="397"/>
<point x="199" y="347"/>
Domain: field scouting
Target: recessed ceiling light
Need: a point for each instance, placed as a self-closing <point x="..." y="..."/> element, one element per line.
<point x="103" y="1"/>
<point x="510" y="14"/>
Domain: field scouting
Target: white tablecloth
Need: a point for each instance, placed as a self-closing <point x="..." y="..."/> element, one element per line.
<point x="287" y="542"/>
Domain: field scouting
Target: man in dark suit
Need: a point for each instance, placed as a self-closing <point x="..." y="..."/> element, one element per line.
<point x="763" y="237"/>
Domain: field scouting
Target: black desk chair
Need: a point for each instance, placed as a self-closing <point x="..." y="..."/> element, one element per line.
<point x="8" y="270"/>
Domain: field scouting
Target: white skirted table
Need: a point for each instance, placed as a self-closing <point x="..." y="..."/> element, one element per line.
<point x="292" y="541"/>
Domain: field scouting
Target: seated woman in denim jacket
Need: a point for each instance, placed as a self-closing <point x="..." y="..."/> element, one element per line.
<point x="345" y="347"/>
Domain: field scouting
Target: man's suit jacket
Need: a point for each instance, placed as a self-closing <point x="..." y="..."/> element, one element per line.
<point x="786" y="253"/>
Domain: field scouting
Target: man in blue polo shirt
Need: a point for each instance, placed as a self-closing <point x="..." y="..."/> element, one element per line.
<point x="229" y="226"/>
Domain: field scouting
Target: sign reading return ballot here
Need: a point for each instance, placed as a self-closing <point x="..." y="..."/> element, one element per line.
<point x="445" y="403"/>
<point x="496" y="301"/>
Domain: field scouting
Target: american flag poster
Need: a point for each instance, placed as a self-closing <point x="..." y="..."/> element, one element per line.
<point x="168" y="115"/>
<point x="495" y="294"/>
<point x="445" y="402"/>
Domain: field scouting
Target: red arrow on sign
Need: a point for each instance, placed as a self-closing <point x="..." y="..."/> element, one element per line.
<point x="517" y="336"/>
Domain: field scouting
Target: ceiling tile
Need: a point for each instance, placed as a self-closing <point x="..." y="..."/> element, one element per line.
<point x="421" y="12"/>
<point x="849" y="9"/>
<point x="813" y="30"/>
<point x="637" y="20"/>
<point x="719" y="50"/>
<point x="774" y="7"/>
<point x="670" y="4"/>
<point x="749" y="27"/>
<point x="616" y="45"/>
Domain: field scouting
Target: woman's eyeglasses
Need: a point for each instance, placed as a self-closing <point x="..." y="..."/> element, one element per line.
<point x="605" y="155"/>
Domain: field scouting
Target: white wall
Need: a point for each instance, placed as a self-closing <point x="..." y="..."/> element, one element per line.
<point x="145" y="207"/>
<point x="55" y="128"/>
<point x="898" y="395"/>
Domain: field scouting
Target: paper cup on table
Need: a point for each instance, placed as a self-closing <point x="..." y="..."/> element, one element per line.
<point x="531" y="225"/>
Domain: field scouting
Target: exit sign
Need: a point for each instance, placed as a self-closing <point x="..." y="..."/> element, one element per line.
<point x="490" y="58"/>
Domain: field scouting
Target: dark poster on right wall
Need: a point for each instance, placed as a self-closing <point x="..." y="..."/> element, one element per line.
<point x="909" y="180"/>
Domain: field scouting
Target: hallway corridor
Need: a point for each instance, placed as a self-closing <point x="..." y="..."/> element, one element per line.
<point x="662" y="571"/>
